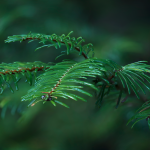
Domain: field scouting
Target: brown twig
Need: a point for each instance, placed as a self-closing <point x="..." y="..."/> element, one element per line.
<point x="144" y="109"/>
<point x="58" y="83"/>
<point x="20" y="70"/>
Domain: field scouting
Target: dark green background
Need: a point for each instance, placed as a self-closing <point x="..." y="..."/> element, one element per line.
<point x="119" y="30"/>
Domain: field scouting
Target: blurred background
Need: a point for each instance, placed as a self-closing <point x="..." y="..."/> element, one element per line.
<point x="119" y="30"/>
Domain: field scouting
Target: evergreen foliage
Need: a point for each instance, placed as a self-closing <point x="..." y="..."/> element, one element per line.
<point x="68" y="79"/>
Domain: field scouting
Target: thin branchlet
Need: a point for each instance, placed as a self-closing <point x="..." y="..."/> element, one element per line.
<point x="58" y="83"/>
<point x="25" y="70"/>
<point x="34" y="38"/>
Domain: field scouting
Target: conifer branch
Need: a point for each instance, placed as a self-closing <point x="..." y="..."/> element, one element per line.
<point x="30" y="38"/>
<point x="23" y="70"/>
<point x="57" y="41"/>
<point x="61" y="79"/>
<point x="10" y="72"/>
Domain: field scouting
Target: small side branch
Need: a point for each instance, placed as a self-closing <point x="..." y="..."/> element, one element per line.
<point x="20" y="70"/>
<point x="34" y="38"/>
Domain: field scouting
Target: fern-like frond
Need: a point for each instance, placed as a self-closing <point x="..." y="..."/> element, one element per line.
<point x="133" y="77"/>
<point x="57" y="41"/>
<point x="58" y="81"/>
<point x="109" y="77"/>
<point x="142" y="113"/>
<point x="11" y="72"/>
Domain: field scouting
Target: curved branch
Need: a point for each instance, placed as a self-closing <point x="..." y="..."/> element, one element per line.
<point x="30" y="38"/>
<point x="20" y="70"/>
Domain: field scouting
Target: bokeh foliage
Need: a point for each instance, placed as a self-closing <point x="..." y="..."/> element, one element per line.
<point x="117" y="34"/>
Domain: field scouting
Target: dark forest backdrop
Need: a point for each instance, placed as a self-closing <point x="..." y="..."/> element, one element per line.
<point x="119" y="30"/>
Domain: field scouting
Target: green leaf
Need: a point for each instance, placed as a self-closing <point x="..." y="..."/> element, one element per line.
<point x="120" y="77"/>
<point x="61" y="103"/>
<point x="53" y="103"/>
<point x="137" y="121"/>
<point x="125" y="82"/>
<point x="101" y="94"/>
<point x="68" y="48"/>
<point x="132" y="85"/>
<point x="9" y="86"/>
<point x="119" y="98"/>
